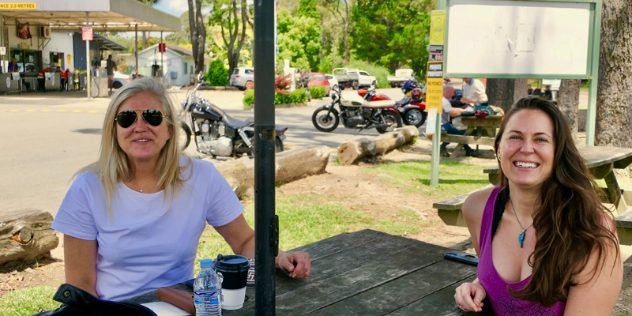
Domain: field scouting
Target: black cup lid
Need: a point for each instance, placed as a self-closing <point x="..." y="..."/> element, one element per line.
<point x="231" y="263"/>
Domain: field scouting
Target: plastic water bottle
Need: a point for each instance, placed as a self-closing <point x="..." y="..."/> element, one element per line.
<point x="207" y="290"/>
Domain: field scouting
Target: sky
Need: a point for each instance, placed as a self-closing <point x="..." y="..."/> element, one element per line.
<point x="173" y="7"/>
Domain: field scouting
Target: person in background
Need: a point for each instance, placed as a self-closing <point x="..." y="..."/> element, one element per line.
<point x="548" y="94"/>
<point x="13" y="65"/>
<point x="473" y="92"/>
<point x="446" y="126"/>
<point x="110" y="67"/>
<point x="133" y="219"/>
<point x="546" y="243"/>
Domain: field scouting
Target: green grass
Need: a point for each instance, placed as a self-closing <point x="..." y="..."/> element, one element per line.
<point x="455" y="178"/>
<point x="28" y="301"/>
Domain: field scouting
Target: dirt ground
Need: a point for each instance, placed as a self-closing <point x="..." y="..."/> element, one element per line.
<point x="377" y="199"/>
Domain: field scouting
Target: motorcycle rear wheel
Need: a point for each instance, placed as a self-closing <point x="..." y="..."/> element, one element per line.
<point x="392" y="118"/>
<point x="325" y="122"/>
<point x="415" y="117"/>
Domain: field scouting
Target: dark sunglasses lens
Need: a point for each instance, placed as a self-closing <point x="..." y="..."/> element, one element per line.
<point x="125" y="119"/>
<point x="152" y="117"/>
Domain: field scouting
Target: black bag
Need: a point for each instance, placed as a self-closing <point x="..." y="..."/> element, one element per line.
<point x="76" y="302"/>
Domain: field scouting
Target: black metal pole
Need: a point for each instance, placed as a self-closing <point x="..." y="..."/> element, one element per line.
<point x="266" y="229"/>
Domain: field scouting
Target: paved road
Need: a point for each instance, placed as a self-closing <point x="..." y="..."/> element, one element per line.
<point x="46" y="138"/>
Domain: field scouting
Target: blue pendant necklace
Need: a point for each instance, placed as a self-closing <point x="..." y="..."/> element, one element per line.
<point x="521" y="236"/>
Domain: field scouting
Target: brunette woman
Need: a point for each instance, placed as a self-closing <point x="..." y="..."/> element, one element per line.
<point x="547" y="246"/>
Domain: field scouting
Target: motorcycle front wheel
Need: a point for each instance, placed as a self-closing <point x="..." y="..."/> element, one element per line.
<point x="415" y="117"/>
<point x="324" y="120"/>
<point x="391" y="118"/>
<point x="185" y="136"/>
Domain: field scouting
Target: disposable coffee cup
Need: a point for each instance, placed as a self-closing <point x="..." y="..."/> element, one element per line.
<point x="234" y="270"/>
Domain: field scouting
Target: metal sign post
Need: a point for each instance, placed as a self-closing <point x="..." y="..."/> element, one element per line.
<point x="434" y="90"/>
<point x="266" y="222"/>
<point x="86" y="35"/>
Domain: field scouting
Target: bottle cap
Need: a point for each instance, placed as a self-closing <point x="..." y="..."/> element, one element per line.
<point x="206" y="263"/>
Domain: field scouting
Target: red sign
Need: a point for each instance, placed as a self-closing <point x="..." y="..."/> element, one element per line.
<point x="86" y="32"/>
<point x="162" y="47"/>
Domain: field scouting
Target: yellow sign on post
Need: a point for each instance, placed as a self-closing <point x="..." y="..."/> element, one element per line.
<point x="437" y="27"/>
<point x="434" y="86"/>
<point x="18" y="6"/>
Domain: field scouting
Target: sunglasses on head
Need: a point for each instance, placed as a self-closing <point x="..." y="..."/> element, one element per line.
<point x="126" y="119"/>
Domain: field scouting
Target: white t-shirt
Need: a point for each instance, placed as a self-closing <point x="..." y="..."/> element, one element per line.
<point x="475" y="90"/>
<point x="151" y="242"/>
<point x="446" y="108"/>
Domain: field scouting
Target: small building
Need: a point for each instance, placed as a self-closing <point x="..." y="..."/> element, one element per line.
<point x="178" y="63"/>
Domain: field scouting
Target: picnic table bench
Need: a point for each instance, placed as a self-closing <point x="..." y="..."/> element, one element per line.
<point x="481" y="130"/>
<point x="366" y="273"/>
<point x="601" y="161"/>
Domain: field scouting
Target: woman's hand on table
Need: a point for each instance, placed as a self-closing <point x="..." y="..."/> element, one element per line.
<point x="297" y="264"/>
<point x="469" y="297"/>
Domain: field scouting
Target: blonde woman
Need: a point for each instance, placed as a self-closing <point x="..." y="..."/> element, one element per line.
<point x="133" y="219"/>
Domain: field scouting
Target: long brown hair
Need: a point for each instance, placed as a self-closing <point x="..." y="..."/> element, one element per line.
<point x="569" y="222"/>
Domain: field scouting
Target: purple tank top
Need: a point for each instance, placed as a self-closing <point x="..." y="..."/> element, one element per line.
<point x="502" y="302"/>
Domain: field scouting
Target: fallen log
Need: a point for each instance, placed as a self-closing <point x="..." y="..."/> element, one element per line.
<point x="26" y="234"/>
<point x="352" y="152"/>
<point x="289" y="165"/>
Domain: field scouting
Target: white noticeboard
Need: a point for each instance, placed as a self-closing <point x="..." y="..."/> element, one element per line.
<point x="501" y="39"/>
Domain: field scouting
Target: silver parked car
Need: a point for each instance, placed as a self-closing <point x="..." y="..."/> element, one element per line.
<point x="241" y="76"/>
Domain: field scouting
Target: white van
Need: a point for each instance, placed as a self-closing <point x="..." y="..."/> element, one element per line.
<point x="241" y="76"/>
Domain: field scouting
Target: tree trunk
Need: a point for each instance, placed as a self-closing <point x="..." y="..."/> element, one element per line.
<point x="198" y="34"/>
<point x="505" y="92"/>
<point x="614" y="118"/>
<point x="568" y="103"/>
<point x="354" y="151"/>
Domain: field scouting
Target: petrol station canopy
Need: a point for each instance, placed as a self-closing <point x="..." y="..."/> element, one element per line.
<point x="103" y="15"/>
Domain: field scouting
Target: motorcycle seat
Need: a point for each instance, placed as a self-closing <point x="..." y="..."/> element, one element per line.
<point x="235" y="123"/>
<point x="403" y="101"/>
<point x="379" y="104"/>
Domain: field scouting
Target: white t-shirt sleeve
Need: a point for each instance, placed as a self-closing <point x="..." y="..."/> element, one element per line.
<point x="223" y="206"/>
<point x="74" y="217"/>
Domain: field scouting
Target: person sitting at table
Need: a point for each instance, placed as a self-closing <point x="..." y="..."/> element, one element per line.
<point x="546" y="244"/>
<point x="13" y="65"/>
<point x="133" y="219"/>
<point x="548" y="94"/>
<point x="474" y="92"/>
<point x="446" y="126"/>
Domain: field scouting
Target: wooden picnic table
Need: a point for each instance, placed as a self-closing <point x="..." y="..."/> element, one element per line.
<point x="366" y="273"/>
<point x="478" y="125"/>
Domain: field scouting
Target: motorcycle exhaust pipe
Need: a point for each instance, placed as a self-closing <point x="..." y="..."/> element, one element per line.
<point x="381" y="125"/>
<point x="244" y="150"/>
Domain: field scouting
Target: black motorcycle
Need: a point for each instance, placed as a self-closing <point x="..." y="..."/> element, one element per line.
<point x="356" y="113"/>
<point x="216" y="133"/>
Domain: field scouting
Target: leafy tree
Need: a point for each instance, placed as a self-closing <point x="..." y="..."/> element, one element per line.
<point x="308" y="8"/>
<point x="198" y="33"/>
<point x="233" y="17"/>
<point x="217" y="74"/>
<point x="298" y="40"/>
<point x="183" y="36"/>
<point x="392" y="33"/>
<point x="341" y="10"/>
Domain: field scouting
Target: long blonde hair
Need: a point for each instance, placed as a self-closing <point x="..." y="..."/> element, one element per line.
<point x="112" y="165"/>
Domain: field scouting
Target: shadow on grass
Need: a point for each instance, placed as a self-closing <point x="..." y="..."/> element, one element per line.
<point x="457" y="181"/>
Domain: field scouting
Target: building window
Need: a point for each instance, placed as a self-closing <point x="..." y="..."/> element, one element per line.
<point x="186" y="67"/>
<point x="191" y="68"/>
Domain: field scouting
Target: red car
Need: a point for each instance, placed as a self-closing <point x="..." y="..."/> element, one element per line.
<point x="318" y="79"/>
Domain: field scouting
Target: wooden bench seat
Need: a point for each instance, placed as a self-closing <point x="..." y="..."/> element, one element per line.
<point x="450" y="210"/>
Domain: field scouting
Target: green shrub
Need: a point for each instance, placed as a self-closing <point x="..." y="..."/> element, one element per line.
<point x="297" y="96"/>
<point x="249" y="99"/>
<point x="217" y="74"/>
<point x="317" y="91"/>
<point x="380" y="73"/>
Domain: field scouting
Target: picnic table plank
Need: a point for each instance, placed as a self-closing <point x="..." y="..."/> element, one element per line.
<point x="480" y="124"/>
<point x="439" y="303"/>
<point x="402" y="291"/>
<point x="362" y="277"/>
